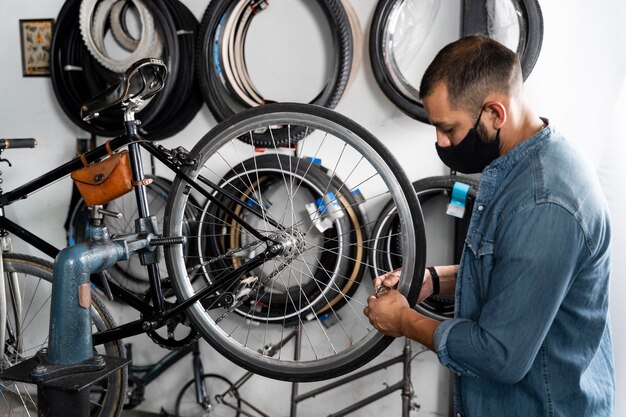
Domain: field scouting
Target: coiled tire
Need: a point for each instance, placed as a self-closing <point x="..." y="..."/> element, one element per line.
<point x="217" y="91"/>
<point x="77" y="76"/>
<point x="475" y="21"/>
<point x="92" y="17"/>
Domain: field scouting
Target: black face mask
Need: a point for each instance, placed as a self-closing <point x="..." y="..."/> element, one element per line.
<point x="472" y="154"/>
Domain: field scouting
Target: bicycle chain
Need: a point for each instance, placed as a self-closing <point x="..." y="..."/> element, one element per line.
<point x="225" y="255"/>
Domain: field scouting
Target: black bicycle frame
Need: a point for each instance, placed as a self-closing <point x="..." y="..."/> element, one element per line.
<point x="157" y="310"/>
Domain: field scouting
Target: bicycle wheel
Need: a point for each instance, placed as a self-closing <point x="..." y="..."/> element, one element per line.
<point x="34" y="278"/>
<point x="401" y="28"/>
<point x="332" y="343"/>
<point x="434" y="194"/>
<point x="222" y="398"/>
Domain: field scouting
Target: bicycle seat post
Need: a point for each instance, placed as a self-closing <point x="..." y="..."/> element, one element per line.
<point x="150" y="257"/>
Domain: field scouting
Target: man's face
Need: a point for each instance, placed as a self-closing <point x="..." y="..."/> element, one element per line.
<point x="451" y="124"/>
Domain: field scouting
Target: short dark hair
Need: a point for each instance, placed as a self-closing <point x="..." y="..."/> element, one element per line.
<point x="471" y="68"/>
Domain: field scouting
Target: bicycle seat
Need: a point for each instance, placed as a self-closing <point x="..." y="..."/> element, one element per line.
<point x="140" y="82"/>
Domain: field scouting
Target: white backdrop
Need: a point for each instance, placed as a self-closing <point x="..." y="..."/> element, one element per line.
<point x="579" y="82"/>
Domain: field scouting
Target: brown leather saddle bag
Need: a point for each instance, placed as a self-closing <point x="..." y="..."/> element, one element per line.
<point x="106" y="180"/>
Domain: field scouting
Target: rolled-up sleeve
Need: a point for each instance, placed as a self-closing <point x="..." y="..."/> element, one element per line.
<point x="441" y="346"/>
<point x="536" y="253"/>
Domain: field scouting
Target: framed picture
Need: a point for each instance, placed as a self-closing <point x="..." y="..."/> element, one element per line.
<point x="35" y="38"/>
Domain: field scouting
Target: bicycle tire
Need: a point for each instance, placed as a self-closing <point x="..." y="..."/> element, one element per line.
<point x="528" y="11"/>
<point x="77" y="76"/>
<point x="217" y="90"/>
<point x="186" y="407"/>
<point x="106" y="399"/>
<point x="353" y="341"/>
<point x="92" y="17"/>
<point x="119" y="28"/>
<point x="384" y="251"/>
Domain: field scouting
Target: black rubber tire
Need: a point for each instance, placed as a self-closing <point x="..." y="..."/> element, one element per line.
<point x="385" y="253"/>
<point x="36" y="311"/>
<point x="218" y="96"/>
<point x="77" y="77"/>
<point x="356" y="342"/>
<point x="530" y="13"/>
<point x="210" y="380"/>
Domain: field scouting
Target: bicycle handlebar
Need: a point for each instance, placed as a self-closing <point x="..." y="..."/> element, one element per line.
<point x="17" y="143"/>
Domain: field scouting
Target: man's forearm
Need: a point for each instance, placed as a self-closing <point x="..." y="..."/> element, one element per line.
<point x="419" y="328"/>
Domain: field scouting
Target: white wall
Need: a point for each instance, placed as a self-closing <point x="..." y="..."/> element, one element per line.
<point x="579" y="82"/>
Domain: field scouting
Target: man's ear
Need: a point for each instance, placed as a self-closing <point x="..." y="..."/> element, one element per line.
<point x="496" y="114"/>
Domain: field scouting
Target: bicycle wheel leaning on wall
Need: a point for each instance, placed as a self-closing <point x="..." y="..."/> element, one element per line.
<point x="341" y="339"/>
<point x="223" y="397"/>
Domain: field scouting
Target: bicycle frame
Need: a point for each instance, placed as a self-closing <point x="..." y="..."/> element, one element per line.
<point x="155" y="314"/>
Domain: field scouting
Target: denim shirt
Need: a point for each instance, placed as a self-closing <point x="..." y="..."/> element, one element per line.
<point x="531" y="332"/>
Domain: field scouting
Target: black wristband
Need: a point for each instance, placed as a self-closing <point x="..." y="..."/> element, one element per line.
<point x="435" y="279"/>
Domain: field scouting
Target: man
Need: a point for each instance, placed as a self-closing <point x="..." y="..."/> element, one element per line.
<point x="531" y="332"/>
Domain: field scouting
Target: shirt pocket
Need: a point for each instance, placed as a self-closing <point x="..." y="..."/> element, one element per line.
<point x="480" y="263"/>
<point x="479" y="245"/>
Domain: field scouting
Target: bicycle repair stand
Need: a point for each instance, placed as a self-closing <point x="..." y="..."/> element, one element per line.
<point x="64" y="372"/>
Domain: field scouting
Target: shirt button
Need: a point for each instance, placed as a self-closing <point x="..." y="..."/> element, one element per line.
<point x="481" y="207"/>
<point x="459" y="415"/>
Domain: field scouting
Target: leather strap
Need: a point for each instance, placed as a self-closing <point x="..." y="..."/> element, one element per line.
<point x="145" y="181"/>
<point x="83" y="160"/>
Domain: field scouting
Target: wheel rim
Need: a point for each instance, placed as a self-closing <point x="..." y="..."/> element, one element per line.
<point x="345" y="343"/>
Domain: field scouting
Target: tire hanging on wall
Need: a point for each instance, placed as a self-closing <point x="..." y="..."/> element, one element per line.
<point x="227" y="94"/>
<point x="475" y="20"/>
<point x="77" y="76"/>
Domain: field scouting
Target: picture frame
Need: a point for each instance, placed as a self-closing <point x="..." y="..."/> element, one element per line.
<point x="35" y="40"/>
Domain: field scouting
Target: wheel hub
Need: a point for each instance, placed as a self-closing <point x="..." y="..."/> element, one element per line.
<point x="287" y="244"/>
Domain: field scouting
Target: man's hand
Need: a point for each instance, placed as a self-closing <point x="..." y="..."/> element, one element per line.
<point x="385" y="311"/>
<point x="390" y="314"/>
<point x="391" y="279"/>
